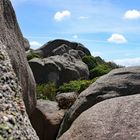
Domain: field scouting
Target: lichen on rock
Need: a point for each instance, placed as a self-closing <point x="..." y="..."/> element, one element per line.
<point x="14" y="121"/>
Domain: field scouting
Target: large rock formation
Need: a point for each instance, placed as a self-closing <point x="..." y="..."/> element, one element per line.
<point x="61" y="62"/>
<point x="113" y="119"/>
<point x="12" y="38"/>
<point x="60" y="46"/>
<point x="58" y="69"/>
<point x="119" y="82"/>
<point x="14" y="121"/>
<point x="46" y="119"/>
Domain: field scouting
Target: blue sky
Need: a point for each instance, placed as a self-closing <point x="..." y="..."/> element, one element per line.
<point x="108" y="28"/>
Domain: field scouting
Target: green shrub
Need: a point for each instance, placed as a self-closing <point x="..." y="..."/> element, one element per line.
<point x="99" y="60"/>
<point x="90" y="61"/>
<point x="112" y="65"/>
<point x="32" y="55"/>
<point x="99" y="71"/>
<point x="46" y="91"/>
<point x="75" y="86"/>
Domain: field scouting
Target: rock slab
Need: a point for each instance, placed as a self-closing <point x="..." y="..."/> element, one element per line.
<point x="14" y="121"/>
<point x="119" y="82"/>
<point x="47" y="119"/>
<point x="12" y="38"/>
<point x="113" y="119"/>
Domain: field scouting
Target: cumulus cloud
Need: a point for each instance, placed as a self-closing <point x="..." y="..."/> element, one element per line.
<point x="59" y="16"/>
<point x="132" y="14"/>
<point x="117" y="38"/>
<point x="75" y="36"/>
<point x="35" y="44"/>
<point x="128" y="62"/>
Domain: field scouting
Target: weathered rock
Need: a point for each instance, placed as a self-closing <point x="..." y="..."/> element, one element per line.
<point x="60" y="50"/>
<point x="66" y="100"/>
<point x="58" y="69"/>
<point x="12" y="38"/>
<point x="113" y="119"/>
<point x="46" y="119"/>
<point x="26" y="44"/>
<point x="49" y="48"/>
<point x="14" y="121"/>
<point x="61" y="62"/>
<point x="119" y="82"/>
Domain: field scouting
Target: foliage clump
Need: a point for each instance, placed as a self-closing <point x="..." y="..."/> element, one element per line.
<point x="75" y="86"/>
<point x="97" y="66"/>
<point x="90" y="61"/>
<point x="46" y="91"/>
<point x="32" y="55"/>
<point x="99" y="71"/>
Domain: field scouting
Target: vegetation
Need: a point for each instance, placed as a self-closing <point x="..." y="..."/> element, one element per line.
<point x="99" y="71"/>
<point x="76" y="85"/>
<point x="49" y="91"/>
<point x="46" y="91"/>
<point x="97" y="66"/>
<point x="32" y="55"/>
<point x="90" y="61"/>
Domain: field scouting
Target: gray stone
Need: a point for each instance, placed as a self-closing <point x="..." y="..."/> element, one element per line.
<point x="48" y="49"/>
<point x="26" y="44"/>
<point x="12" y="38"/>
<point x="46" y="119"/>
<point x="119" y="82"/>
<point x="61" y="50"/>
<point x="113" y="119"/>
<point x="60" y="62"/>
<point x="14" y="121"/>
<point x="58" y="69"/>
<point x="66" y="100"/>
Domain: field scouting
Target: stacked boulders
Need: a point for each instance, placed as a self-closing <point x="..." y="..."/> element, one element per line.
<point x="60" y="62"/>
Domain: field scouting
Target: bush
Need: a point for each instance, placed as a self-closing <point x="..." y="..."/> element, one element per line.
<point x="46" y="91"/>
<point x="99" y="60"/>
<point x="75" y="86"/>
<point x="99" y="71"/>
<point x="112" y="65"/>
<point x="32" y="55"/>
<point x="90" y="61"/>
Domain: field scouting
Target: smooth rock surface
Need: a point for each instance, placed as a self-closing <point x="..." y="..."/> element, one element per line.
<point x="119" y="82"/>
<point x="113" y="119"/>
<point x="46" y="119"/>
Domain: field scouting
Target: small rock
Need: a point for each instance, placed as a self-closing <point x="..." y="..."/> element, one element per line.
<point x="66" y="100"/>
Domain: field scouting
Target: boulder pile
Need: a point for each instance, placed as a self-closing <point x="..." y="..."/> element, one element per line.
<point x="60" y="62"/>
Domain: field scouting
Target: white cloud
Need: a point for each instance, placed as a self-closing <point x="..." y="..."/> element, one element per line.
<point x="132" y="14"/>
<point x="75" y="36"/>
<point x="59" y="16"/>
<point x="117" y="38"/>
<point x="35" y="44"/>
<point x="83" y="17"/>
<point x="128" y="61"/>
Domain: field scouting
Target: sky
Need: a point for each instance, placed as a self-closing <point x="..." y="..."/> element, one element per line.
<point x="108" y="28"/>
